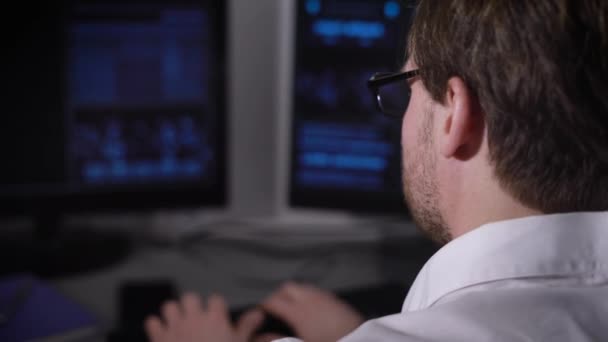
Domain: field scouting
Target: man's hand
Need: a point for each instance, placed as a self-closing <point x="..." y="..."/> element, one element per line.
<point x="314" y="314"/>
<point x="188" y="320"/>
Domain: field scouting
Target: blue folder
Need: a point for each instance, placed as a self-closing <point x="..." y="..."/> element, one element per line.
<point x="33" y="310"/>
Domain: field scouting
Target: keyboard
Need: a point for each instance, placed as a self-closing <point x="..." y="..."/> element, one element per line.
<point x="139" y="300"/>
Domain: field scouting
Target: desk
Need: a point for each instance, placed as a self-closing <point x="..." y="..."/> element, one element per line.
<point x="244" y="271"/>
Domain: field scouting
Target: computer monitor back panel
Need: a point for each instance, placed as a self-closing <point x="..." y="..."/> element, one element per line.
<point x="344" y="153"/>
<point x="114" y="105"/>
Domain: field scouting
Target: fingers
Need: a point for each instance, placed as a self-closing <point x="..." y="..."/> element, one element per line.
<point x="188" y="320"/>
<point x="154" y="329"/>
<point x="293" y="291"/>
<point x="299" y="291"/>
<point x="282" y="302"/>
<point x="171" y="313"/>
<point x="248" y="323"/>
<point x="188" y="307"/>
<point x="280" y="307"/>
<point x="191" y="304"/>
<point x="217" y="307"/>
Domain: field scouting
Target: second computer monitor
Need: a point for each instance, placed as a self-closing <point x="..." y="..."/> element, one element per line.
<point x="345" y="154"/>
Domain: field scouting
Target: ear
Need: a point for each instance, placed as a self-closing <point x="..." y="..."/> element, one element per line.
<point x="461" y="123"/>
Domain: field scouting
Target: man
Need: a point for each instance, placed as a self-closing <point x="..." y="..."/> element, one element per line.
<point x="505" y="159"/>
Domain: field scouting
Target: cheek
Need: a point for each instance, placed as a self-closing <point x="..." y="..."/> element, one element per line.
<point x="408" y="130"/>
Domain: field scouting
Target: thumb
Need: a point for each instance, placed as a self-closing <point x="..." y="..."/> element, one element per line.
<point x="248" y="323"/>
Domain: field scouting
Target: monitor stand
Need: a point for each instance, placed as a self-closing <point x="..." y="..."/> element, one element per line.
<point x="52" y="250"/>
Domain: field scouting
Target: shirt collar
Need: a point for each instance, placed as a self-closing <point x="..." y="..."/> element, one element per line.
<point x="557" y="245"/>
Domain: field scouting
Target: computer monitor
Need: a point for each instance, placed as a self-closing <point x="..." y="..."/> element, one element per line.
<point x="344" y="153"/>
<point x="113" y="106"/>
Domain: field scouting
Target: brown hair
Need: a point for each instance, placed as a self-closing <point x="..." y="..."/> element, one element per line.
<point x="540" y="72"/>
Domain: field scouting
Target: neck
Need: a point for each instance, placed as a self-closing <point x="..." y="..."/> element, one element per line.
<point x="489" y="212"/>
<point x="478" y="202"/>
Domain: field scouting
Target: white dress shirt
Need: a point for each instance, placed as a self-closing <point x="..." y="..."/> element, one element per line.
<point x="539" y="278"/>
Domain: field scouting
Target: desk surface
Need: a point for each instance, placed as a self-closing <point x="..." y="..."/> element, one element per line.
<point x="244" y="271"/>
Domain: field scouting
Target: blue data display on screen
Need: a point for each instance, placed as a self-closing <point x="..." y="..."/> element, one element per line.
<point x="140" y="150"/>
<point x="148" y="59"/>
<point x="365" y="24"/>
<point x="344" y="156"/>
<point x="139" y="94"/>
<point x="335" y="28"/>
<point x="340" y="140"/>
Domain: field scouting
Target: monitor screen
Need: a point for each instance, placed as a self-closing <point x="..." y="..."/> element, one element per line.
<point x="114" y="105"/>
<point x="345" y="153"/>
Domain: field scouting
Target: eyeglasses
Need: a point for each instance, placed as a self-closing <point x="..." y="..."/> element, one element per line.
<point x="391" y="91"/>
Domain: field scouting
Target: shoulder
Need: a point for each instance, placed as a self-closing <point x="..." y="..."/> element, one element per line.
<point x="509" y="315"/>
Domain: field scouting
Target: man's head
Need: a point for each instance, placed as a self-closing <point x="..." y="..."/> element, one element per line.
<point x="519" y="87"/>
